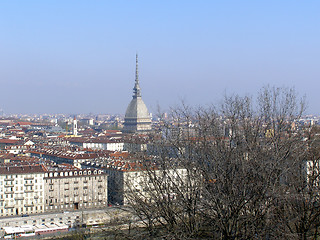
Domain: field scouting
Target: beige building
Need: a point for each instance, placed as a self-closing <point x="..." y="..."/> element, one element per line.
<point x="30" y="189"/>
<point x="75" y="189"/>
<point x="127" y="177"/>
<point x="21" y="190"/>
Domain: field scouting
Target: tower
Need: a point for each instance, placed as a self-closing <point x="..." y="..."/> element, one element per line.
<point x="75" y="126"/>
<point x="137" y="118"/>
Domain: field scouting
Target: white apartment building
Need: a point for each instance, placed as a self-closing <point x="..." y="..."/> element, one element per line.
<point x="21" y="190"/>
<point x="31" y="189"/>
<point x="98" y="143"/>
<point x="105" y="145"/>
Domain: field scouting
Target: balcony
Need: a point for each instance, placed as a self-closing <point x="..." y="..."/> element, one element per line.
<point x="28" y="184"/>
<point x="36" y="197"/>
<point x="9" y="206"/>
<point x="28" y="205"/>
<point x="9" y="179"/>
<point x="28" y="178"/>
<point x="8" y="192"/>
<point x="100" y="180"/>
<point x="8" y="185"/>
<point x="28" y="191"/>
<point x="19" y="198"/>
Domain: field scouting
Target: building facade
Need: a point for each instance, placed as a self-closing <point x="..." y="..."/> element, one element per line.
<point x="21" y="190"/>
<point x="127" y="178"/>
<point x="75" y="189"/>
<point x="32" y="189"/>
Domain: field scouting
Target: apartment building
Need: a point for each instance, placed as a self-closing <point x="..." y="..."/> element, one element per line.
<point x="125" y="177"/>
<point x="21" y="190"/>
<point x="103" y="143"/>
<point x="75" y="189"/>
<point x="30" y="189"/>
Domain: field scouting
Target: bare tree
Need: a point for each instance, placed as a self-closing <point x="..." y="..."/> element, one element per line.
<point x="244" y="170"/>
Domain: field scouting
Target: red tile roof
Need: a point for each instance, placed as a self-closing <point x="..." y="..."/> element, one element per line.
<point x="9" y="141"/>
<point x="21" y="169"/>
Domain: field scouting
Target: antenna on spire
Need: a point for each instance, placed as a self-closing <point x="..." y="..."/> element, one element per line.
<point x="137" y="73"/>
<point x="136" y="89"/>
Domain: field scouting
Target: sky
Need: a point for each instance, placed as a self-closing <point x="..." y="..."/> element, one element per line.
<point x="79" y="56"/>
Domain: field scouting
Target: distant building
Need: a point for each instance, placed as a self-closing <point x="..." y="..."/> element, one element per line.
<point x="137" y="118"/>
<point x="98" y="143"/>
<point x="87" y="121"/>
<point x="8" y="142"/>
<point x="75" y="127"/>
<point x="60" y="156"/>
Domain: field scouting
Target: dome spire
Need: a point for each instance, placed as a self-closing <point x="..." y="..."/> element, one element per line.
<point x="136" y="89"/>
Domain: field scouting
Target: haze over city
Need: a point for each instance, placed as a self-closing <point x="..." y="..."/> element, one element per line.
<point x="79" y="56"/>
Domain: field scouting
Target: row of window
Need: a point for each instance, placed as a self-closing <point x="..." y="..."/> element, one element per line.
<point x="22" y="176"/>
<point x="61" y="174"/>
<point x="76" y="181"/>
<point x="15" y="211"/>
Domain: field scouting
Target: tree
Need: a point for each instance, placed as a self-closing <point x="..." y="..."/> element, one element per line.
<point x="244" y="172"/>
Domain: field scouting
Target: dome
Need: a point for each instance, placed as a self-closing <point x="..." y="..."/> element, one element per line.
<point x="137" y="109"/>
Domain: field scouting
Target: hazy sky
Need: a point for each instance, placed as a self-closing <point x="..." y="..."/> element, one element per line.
<point x="79" y="56"/>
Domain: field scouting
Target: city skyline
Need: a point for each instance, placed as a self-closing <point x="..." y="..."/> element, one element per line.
<point x="66" y="57"/>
